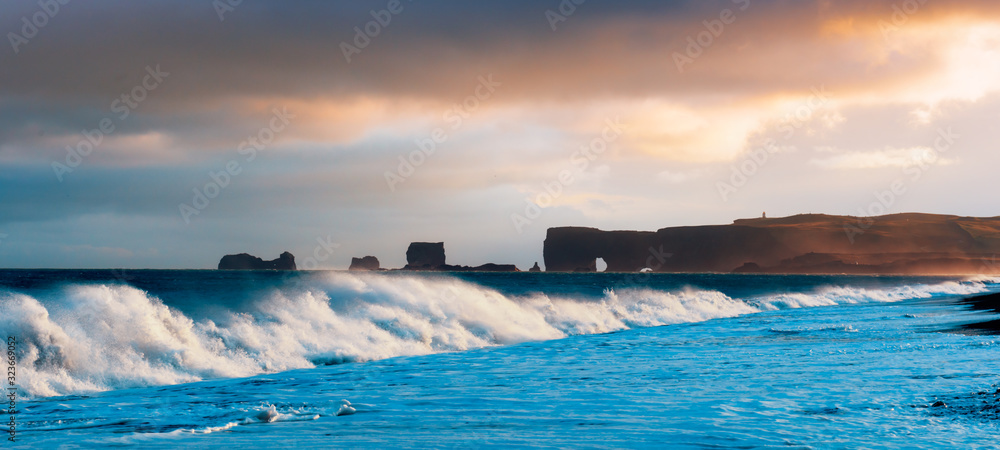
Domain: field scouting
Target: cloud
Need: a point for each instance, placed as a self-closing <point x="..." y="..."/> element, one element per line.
<point x="886" y="93"/>
<point x="889" y="157"/>
<point x="226" y="75"/>
<point x="678" y="177"/>
<point x="104" y="251"/>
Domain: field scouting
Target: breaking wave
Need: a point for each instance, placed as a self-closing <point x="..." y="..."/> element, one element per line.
<point x="104" y="337"/>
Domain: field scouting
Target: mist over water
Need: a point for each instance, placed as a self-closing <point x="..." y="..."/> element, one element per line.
<point x="101" y="335"/>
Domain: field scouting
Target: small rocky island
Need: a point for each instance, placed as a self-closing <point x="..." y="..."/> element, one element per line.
<point x="366" y="263"/>
<point x="420" y="256"/>
<point x="429" y="256"/>
<point x="245" y="261"/>
<point x="912" y="244"/>
<point x="425" y="256"/>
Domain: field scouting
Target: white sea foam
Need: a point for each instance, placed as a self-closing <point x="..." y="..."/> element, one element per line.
<point x="267" y="415"/>
<point x="986" y="279"/>
<point x="101" y="337"/>
<point x="848" y="295"/>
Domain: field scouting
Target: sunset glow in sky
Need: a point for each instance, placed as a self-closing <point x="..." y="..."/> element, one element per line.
<point x="511" y="117"/>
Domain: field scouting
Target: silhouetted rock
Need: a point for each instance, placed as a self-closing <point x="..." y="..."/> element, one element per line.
<point x="576" y="249"/>
<point x="429" y="256"/>
<point x="244" y="261"/>
<point x="366" y="263"/>
<point x="809" y="243"/>
<point x="490" y="267"/>
<point x="750" y="267"/>
<point x="535" y="268"/>
<point x="425" y="256"/>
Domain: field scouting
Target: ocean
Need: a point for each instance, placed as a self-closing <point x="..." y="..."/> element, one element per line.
<point x="332" y="359"/>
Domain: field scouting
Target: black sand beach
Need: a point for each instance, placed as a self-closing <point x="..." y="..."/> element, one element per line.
<point x="990" y="303"/>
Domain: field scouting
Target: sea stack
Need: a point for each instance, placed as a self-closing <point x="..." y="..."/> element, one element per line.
<point x="244" y="261"/>
<point x="425" y="256"/>
<point x="535" y="268"/>
<point x="429" y="256"/>
<point x="366" y="263"/>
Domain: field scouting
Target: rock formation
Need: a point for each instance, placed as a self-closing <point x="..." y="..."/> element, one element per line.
<point x="748" y="268"/>
<point x="430" y="256"/>
<point x="812" y="243"/>
<point x="244" y="261"/>
<point x="535" y="268"/>
<point x="366" y="263"/>
<point x="425" y="256"/>
<point x="488" y="267"/>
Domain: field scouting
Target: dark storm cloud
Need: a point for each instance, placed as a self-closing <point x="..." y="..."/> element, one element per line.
<point x="99" y="47"/>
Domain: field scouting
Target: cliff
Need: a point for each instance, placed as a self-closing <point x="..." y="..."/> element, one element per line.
<point x="813" y="243"/>
<point x="244" y="261"/>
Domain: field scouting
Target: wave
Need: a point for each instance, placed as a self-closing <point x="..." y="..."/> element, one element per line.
<point x="104" y="337"/>
<point x="986" y="279"/>
<point x="266" y="415"/>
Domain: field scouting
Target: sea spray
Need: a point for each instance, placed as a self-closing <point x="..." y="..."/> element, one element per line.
<point x="95" y="337"/>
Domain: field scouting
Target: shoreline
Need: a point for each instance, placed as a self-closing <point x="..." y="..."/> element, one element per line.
<point x="984" y="303"/>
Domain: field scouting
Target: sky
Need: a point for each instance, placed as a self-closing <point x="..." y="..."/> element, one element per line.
<point x="165" y="134"/>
